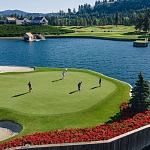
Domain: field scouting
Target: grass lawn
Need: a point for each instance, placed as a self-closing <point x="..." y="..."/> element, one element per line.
<point x="55" y="103"/>
<point x="111" y="31"/>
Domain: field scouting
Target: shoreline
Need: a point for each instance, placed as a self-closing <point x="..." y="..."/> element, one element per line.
<point x="10" y="38"/>
<point x="4" y="69"/>
<point x="90" y="37"/>
<point x="74" y="36"/>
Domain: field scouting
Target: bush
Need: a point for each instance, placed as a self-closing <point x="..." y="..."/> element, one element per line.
<point x="18" y="30"/>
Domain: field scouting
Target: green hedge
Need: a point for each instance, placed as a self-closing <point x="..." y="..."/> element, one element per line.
<point x="19" y="30"/>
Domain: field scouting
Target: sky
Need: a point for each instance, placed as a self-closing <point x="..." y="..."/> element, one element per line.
<point x="42" y="6"/>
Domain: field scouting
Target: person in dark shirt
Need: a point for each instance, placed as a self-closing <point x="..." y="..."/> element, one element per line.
<point x="100" y="80"/>
<point x="79" y="86"/>
<point x="30" y="86"/>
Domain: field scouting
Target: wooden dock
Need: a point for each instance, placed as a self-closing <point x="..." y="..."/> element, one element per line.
<point x="141" y="43"/>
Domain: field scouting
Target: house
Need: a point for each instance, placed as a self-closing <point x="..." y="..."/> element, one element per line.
<point x="28" y="36"/>
<point x="10" y="20"/>
<point x="23" y="21"/>
<point x="39" y="21"/>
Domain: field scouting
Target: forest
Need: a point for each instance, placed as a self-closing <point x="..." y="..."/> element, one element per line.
<point x="120" y="12"/>
<point x="107" y="12"/>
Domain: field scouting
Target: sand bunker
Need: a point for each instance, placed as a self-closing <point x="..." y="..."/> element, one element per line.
<point x="9" y="129"/>
<point x="4" y="69"/>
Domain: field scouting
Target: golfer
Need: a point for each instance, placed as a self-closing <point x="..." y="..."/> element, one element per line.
<point x="63" y="74"/>
<point x="100" y="80"/>
<point x="30" y="86"/>
<point x="79" y="86"/>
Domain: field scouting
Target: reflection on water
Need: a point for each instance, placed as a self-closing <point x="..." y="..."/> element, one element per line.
<point x="117" y="59"/>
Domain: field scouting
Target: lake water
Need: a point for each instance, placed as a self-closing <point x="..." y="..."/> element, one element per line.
<point x="117" y="59"/>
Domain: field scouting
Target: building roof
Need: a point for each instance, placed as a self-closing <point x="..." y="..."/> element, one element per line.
<point x="11" y="18"/>
<point x="29" y="34"/>
<point x="22" y="19"/>
<point x="38" y="18"/>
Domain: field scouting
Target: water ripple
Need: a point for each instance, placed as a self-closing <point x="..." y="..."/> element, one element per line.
<point x="116" y="59"/>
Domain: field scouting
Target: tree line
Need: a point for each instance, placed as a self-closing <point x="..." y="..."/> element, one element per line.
<point x="106" y="12"/>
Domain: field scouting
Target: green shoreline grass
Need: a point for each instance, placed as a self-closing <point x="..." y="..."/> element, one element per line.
<point x="106" y="32"/>
<point x="109" y="32"/>
<point x="98" y="109"/>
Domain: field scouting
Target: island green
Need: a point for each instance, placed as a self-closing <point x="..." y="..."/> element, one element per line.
<point x="55" y="103"/>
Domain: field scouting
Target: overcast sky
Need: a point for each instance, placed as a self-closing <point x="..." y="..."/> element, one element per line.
<point x="42" y="6"/>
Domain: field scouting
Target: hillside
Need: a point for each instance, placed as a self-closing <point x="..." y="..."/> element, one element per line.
<point x="9" y="12"/>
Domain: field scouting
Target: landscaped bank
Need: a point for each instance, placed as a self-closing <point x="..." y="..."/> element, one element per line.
<point x="109" y="32"/>
<point x="51" y="105"/>
<point x="104" y="137"/>
<point x="47" y="106"/>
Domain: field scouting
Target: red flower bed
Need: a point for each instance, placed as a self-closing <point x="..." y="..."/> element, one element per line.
<point x="98" y="133"/>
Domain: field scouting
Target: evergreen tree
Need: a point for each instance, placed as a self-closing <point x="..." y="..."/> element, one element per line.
<point x="146" y="24"/>
<point x="139" y="22"/>
<point x="69" y="11"/>
<point x="116" y="18"/>
<point x="140" y="94"/>
<point x="74" y="10"/>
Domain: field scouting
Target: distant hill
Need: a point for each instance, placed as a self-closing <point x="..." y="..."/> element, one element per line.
<point x="9" y="12"/>
<point x="25" y="14"/>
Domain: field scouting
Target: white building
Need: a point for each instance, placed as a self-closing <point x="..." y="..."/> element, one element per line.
<point x="23" y="21"/>
<point x="10" y="20"/>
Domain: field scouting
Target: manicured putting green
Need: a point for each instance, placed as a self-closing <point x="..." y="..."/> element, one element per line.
<point x="50" y="94"/>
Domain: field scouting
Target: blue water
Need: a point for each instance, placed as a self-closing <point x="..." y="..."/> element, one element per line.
<point x="117" y="59"/>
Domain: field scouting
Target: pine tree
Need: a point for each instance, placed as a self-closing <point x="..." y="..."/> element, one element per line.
<point x="140" y="94"/>
<point x="116" y="18"/>
<point x="146" y="24"/>
<point x="139" y="22"/>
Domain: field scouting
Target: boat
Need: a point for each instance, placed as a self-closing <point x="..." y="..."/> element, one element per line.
<point x="29" y="37"/>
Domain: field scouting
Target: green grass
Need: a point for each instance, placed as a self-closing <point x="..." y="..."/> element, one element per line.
<point x="51" y="107"/>
<point x="119" y="32"/>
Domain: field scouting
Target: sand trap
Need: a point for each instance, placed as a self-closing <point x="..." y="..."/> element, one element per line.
<point x="9" y="129"/>
<point x="4" y="69"/>
<point x="6" y="133"/>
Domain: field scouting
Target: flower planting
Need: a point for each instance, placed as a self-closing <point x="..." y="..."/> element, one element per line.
<point x="97" y="133"/>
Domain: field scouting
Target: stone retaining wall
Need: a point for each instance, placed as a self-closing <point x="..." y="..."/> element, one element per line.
<point x="133" y="140"/>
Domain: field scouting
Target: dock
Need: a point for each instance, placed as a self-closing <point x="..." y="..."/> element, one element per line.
<point x="141" y="43"/>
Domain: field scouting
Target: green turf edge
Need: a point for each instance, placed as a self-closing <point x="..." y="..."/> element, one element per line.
<point x="95" y="115"/>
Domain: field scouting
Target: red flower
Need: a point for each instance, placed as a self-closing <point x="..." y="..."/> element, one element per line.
<point x="97" y="133"/>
